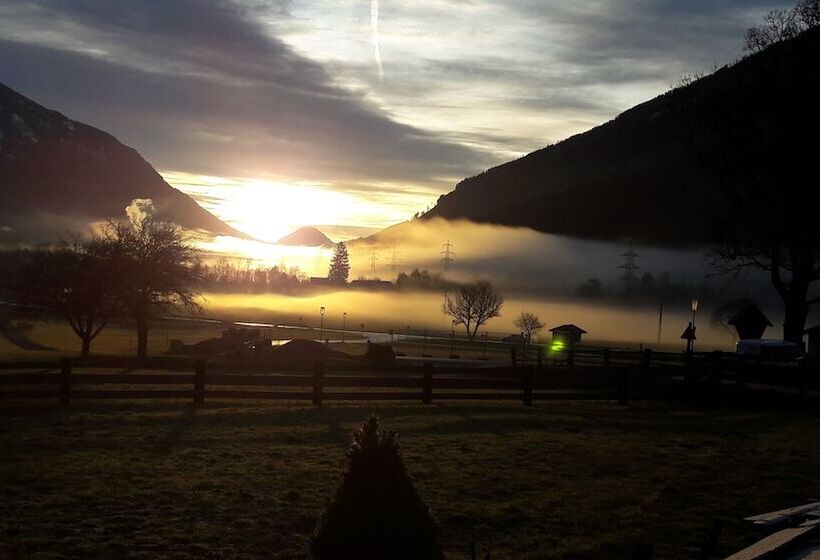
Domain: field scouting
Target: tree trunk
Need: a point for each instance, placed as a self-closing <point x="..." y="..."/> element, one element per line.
<point x="142" y="338"/>
<point x="795" y="298"/>
<point x="86" y="350"/>
<point x="796" y="310"/>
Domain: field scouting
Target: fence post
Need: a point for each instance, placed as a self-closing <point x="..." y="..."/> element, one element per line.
<point x="318" y="382"/>
<point x="513" y="358"/>
<point x="802" y="380"/>
<point x="740" y="373"/>
<point x="427" y="384"/>
<point x="647" y="359"/>
<point x="623" y="385"/>
<point x="526" y="384"/>
<point x="571" y="357"/>
<point x="65" y="381"/>
<point x="540" y="358"/>
<point x="606" y="357"/>
<point x="199" y="382"/>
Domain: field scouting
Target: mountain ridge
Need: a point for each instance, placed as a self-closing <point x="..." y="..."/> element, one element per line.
<point x="53" y="166"/>
<point x="593" y="184"/>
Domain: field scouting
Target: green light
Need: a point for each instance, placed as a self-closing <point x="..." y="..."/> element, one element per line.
<point x="557" y="346"/>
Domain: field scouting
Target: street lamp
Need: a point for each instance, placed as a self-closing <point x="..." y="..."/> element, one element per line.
<point x="344" y="325"/>
<point x="321" y="323"/>
<point x="694" y="305"/>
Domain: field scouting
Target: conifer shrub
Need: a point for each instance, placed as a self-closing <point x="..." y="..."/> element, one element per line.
<point x="376" y="512"/>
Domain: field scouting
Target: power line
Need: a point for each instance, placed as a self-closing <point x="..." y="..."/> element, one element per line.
<point x="629" y="267"/>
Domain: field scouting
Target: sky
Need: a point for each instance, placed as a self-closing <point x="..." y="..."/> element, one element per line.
<point x="352" y="114"/>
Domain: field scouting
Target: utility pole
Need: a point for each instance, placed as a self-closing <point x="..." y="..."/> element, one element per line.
<point x="447" y="255"/>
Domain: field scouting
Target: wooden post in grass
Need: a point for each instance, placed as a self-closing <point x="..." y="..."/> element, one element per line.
<point x="199" y="382"/>
<point x="427" y="384"/>
<point x="513" y="358"/>
<point x="606" y="357"/>
<point x="646" y="360"/>
<point x="527" y="376"/>
<point x="623" y="385"/>
<point x="318" y="382"/>
<point x="65" y="381"/>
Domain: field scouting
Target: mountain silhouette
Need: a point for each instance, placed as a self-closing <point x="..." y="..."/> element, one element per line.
<point x="53" y="168"/>
<point x="637" y="176"/>
<point x="306" y="237"/>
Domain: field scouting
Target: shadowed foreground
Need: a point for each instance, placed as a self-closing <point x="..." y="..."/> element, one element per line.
<point x="560" y="480"/>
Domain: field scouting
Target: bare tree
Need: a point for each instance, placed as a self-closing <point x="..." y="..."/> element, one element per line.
<point x="473" y="305"/>
<point x="530" y="325"/>
<point x="70" y="283"/>
<point x="155" y="267"/>
<point x="808" y="13"/>
<point x="778" y="25"/>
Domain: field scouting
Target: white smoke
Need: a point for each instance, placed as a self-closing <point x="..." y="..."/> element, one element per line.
<point x="374" y="30"/>
<point x="139" y="210"/>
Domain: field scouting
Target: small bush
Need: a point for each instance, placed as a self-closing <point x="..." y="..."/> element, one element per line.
<point x="376" y="512"/>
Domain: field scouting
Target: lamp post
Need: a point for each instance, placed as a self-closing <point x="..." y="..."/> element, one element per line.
<point x="694" y="305"/>
<point x="344" y="325"/>
<point x="321" y="323"/>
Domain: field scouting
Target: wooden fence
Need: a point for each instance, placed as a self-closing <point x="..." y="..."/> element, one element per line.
<point x="646" y="376"/>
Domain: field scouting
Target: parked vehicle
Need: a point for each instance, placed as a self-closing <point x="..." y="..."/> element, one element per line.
<point x="769" y="350"/>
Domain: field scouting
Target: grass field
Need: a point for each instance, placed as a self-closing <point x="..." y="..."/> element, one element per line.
<point x="559" y="480"/>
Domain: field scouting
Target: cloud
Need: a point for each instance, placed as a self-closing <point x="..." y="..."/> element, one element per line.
<point x="202" y="86"/>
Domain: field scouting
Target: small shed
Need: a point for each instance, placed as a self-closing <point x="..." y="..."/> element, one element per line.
<point x="750" y="322"/>
<point x="813" y="350"/>
<point x="569" y="335"/>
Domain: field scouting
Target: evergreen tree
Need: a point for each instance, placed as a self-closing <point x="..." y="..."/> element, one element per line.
<point x="339" y="264"/>
<point x="376" y="512"/>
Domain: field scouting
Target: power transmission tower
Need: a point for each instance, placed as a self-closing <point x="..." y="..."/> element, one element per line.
<point x="447" y="255"/>
<point x="629" y="267"/>
<point x="374" y="258"/>
<point x="394" y="262"/>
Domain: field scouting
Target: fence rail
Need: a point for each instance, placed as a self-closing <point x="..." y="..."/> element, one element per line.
<point x="616" y="376"/>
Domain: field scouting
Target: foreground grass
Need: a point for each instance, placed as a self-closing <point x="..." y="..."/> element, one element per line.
<point x="559" y="480"/>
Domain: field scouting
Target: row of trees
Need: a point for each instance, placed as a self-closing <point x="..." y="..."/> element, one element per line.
<point x="127" y="271"/>
<point x="781" y="24"/>
<point x="227" y="275"/>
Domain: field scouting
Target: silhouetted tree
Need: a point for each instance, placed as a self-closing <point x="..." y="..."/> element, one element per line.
<point x="473" y="305"/>
<point x="376" y="512"/>
<point x="808" y="13"/>
<point x="155" y="267"/>
<point x="339" y="264"/>
<point x="69" y="282"/>
<point x="778" y="25"/>
<point x="751" y="138"/>
<point x="782" y="24"/>
<point x="589" y="289"/>
<point x="530" y="325"/>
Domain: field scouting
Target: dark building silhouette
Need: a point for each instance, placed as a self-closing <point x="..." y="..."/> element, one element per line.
<point x="567" y="334"/>
<point x="750" y="322"/>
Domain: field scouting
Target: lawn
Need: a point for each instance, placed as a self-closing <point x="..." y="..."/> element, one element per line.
<point x="558" y="480"/>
